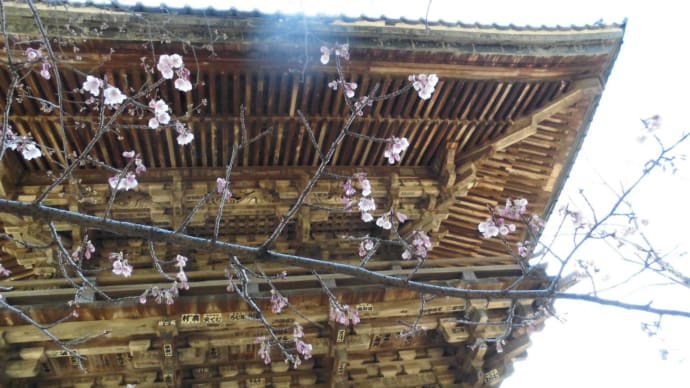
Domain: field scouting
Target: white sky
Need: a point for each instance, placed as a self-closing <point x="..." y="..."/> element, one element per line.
<point x="597" y="347"/>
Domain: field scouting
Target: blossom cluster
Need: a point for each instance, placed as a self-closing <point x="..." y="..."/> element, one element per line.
<point x="278" y="302"/>
<point x="127" y="181"/>
<point x="86" y="250"/>
<point x="112" y="96"/>
<point x="349" y="87"/>
<point x="264" y="349"/>
<point x="170" y="65"/>
<point x="343" y="314"/>
<point x="366" y="246"/>
<point x="366" y="204"/>
<point x="181" y="262"/>
<point x="221" y="183"/>
<point x="340" y="50"/>
<point x="4" y="271"/>
<point x="120" y="265"/>
<point x="385" y="221"/>
<point x="23" y="144"/>
<point x="513" y="209"/>
<point x="395" y="147"/>
<point x="421" y="244"/>
<point x="302" y="347"/>
<point x="492" y="227"/>
<point x="33" y="55"/>
<point x="161" y="295"/>
<point x="160" y="111"/>
<point x="424" y="84"/>
<point x="184" y="134"/>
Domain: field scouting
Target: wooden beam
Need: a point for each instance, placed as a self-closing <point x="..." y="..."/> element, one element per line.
<point x="526" y="126"/>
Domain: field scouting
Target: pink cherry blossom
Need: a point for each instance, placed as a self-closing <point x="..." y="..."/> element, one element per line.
<point x="183" y="85"/>
<point x="32" y="54"/>
<point x="4" y="271"/>
<point x="29" y="150"/>
<point x="140" y="168"/>
<point x="424" y="84"/>
<point x="367" y="217"/>
<point x="364" y="184"/>
<point x="158" y="106"/>
<point x="184" y="136"/>
<point x="122" y="268"/>
<point x="365" y="247"/>
<point x="350" y="88"/>
<point x="165" y="66"/>
<point x="349" y="189"/>
<point x="394" y="148"/>
<point x="325" y="55"/>
<point x="367" y="204"/>
<point x="126" y="183"/>
<point x="113" y="96"/>
<point x="264" y="349"/>
<point x="343" y="51"/>
<point x="303" y="348"/>
<point x="220" y="187"/>
<point x="278" y="302"/>
<point x="333" y="85"/>
<point x="153" y="123"/>
<point x="176" y="61"/>
<point x="163" y="117"/>
<point x="488" y="228"/>
<point x="297" y="331"/>
<point x="89" y="250"/>
<point x="45" y="70"/>
<point x="384" y="221"/>
<point x="92" y="85"/>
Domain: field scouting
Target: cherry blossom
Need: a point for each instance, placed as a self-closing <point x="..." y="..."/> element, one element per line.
<point x="220" y="187"/>
<point x="325" y="55"/>
<point x="264" y="349"/>
<point x="4" y="271"/>
<point x="45" y="70"/>
<point x="365" y="246"/>
<point x="421" y="244"/>
<point x="303" y="348"/>
<point x="88" y="248"/>
<point x="333" y="85"/>
<point x="341" y="50"/>
<point x="128" y="182"/>
<point x="350" y="88"/>
<point x="184" y="136"/>
<point x="29" y="150"/>
<point x="166" y="65"/>
<point x="367" y="205"/>
<point x="344" y="314"/>
<point x="32" y="54"/>
<point x="364" y="184"/>
<point x="394" y="148"/>
<point x="182" y="83"/>
<point x="122" y="268"/>
<point x="488" y="228"/>
<point x="424" y="84"/>
<point x="297" y="331"/>
<point x="278" y="302"/>
<point x="384" y="221"/>
<point x="513" y="209"/>
<point x="92" y="85"/>
<point x="113" y="96"/>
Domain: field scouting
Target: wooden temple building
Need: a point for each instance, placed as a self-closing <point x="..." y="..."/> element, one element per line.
<point x="507" y="117"/>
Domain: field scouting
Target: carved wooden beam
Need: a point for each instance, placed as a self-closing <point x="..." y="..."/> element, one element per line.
<point x="525" y="127"/>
